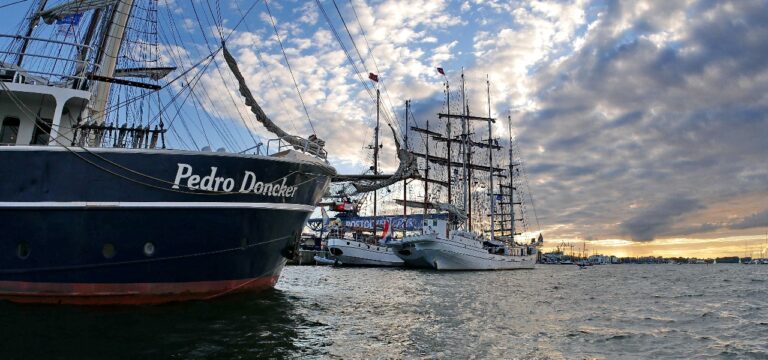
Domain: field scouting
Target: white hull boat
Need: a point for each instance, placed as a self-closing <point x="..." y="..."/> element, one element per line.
<point x="463" y="251"/>
<point x="460" y="253"/>
<point x="407" y="252"/>
<point x="356" y="253"/>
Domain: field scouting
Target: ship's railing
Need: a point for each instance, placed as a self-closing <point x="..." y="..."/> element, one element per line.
<point x="59" y="68"/>
<point x="310" y="146"/>
<point x="112" y="136"/>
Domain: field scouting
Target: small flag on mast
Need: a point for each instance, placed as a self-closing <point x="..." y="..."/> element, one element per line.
<point x="441" y="71"/>
<point x="373" y="77"/>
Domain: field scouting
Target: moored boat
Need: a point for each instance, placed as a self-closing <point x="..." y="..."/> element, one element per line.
<point x="462" y="250"/>
<point x="356" y="253"/>
<point x="455" y="244"/>
<point x="95" y="213"/>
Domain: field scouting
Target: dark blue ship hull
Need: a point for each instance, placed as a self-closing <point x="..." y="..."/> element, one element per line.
<point x="134" y="226"/>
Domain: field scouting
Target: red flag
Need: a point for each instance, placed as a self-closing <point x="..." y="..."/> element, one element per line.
<point x="373" y="77"/>
<point x="386" y="234"/>
<point x="441" y="71"/>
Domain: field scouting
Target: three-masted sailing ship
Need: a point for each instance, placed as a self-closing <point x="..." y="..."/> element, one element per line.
<point x="95" y="208"/>
<point x="456" y="243"/>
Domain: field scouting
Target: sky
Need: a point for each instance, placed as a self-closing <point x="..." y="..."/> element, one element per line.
<point x="643" y="125"/>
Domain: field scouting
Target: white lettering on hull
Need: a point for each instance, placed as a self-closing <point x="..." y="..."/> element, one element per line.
<point x="186" y="178"/>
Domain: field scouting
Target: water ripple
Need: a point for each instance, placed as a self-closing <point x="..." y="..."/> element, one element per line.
<point x="553" y="312"/>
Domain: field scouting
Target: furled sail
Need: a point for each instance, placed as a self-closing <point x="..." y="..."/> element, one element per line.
<point x="314" y="145"/>
<point x="154" y="73"/>
<point x="406" y="170"/>
<point x="71" y="8"/>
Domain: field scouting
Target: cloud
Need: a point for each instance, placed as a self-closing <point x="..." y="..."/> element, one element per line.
<point x="759" y="219"/>
<point x="654" y="220"/>
<point x="652" y="100"/>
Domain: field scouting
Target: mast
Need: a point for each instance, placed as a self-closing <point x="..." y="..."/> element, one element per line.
<point x="465" y="153"/>
<point x="113" y="40"/>
<point x="376" y="160"/>
<point x="32" y="24"/>
<point x="468" y="161"/>
<point x="448" y="136"/>
<point x="405" y="186"/>
<point x="87" y="38"/>
<point x="490" y="154"/>
<point x="426" y="171"/>
<point x="511" y="183"/>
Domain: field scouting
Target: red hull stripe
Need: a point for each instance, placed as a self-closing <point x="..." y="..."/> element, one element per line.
<point x="127" y="294"/>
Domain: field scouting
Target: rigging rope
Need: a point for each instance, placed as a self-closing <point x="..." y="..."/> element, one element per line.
<point x="12" y="3"/>
<point x="221" y="75"/>
<point x="269" y="74"/>
<point x="364" y="82"/>
<point x="285" y="56"/>
<point x="370" y="54"/>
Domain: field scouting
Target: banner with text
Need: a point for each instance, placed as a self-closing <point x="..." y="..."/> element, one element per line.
<point x="411" y="222"/>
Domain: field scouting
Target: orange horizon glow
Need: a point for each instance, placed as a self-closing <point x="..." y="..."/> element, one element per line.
<point x="748" y="245"/>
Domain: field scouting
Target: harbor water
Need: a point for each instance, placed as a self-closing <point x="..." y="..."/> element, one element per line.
<point x="553" y="312"/>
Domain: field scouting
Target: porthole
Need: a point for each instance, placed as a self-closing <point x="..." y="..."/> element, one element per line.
<point x="22" y="250"/>
<point x="108" y="250"/>
<point x="149" y="249"/>
<point x="347" y="242"/>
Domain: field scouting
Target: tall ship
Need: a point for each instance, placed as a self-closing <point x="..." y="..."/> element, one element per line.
<point x="96" y="208"/>
<point x="480" y="232"/>
<point x="350" y="245"/>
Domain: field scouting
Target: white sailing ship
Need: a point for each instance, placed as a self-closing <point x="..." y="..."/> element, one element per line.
<point x="452" y="245"/>
<point x="463" y="250"/>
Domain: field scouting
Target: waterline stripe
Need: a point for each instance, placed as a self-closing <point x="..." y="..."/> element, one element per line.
<point x="175" y="205"/>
